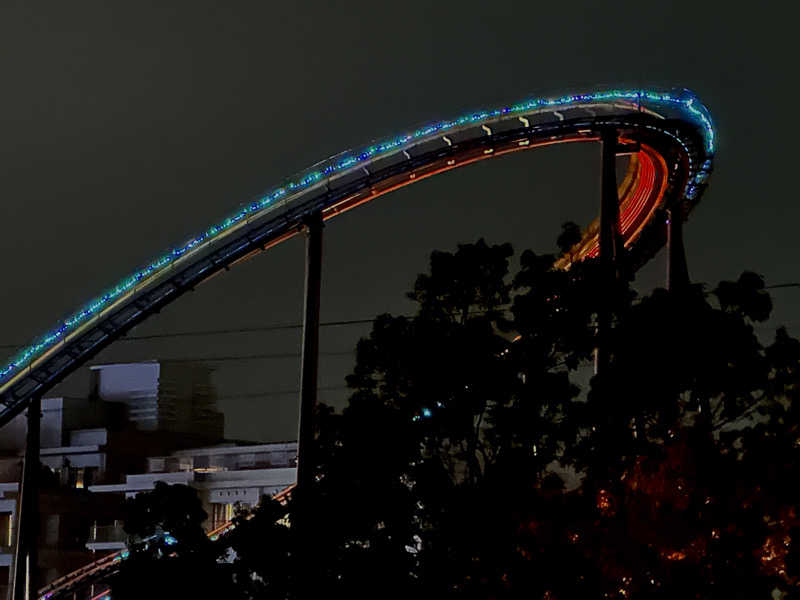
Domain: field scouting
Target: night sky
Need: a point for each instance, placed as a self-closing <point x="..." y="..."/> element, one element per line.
<point x="127" y="127"/>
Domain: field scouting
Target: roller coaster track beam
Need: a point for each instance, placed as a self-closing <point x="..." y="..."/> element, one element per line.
<point x="674" y="130"/>
<point x="25" y="582"/>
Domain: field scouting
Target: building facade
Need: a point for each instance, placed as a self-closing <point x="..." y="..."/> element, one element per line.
<point x="226" y="476"/>
<point x="140" y="423"/>
<point x="165" y="396"/>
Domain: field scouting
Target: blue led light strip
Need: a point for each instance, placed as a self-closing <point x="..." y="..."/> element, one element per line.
<point x="682" y="100"/>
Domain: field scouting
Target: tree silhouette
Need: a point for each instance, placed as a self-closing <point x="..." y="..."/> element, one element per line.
<point x="480" y="456"/>
<point x="170" y="555"/>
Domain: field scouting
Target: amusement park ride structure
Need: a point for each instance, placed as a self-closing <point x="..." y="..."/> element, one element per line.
<point x="668" y="135"/>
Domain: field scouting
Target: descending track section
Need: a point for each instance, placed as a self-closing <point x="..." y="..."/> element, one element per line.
<point x="86" y="581"/>
<point x="672" y="128"/>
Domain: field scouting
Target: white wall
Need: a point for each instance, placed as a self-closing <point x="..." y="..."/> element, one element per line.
<point x="122" y="381"/>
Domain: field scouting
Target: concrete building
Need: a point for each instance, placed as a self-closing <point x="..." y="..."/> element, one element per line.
<point x="162" y="396"/>
<point x="64" y="518"/>
<point x="75" y="451"/>
<point x="132" y="410"/>
<point x="225" y="475"/>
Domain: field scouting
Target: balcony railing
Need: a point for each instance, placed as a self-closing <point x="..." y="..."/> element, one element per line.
<point x="217" y="463"/>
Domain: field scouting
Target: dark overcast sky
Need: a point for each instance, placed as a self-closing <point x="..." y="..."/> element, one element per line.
<point x="127" y="126"/>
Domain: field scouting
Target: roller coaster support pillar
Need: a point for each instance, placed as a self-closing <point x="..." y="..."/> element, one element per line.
<point x="310" y="365"/>
<point x="25" y="583"/>
<point x="677" y="268"/>
<point x="610" y="242"/>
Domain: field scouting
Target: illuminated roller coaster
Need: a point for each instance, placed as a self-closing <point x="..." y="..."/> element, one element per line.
<point x="669" y="135"/>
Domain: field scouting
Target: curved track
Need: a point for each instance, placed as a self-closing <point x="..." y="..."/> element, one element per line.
<point x="677" y="145"/>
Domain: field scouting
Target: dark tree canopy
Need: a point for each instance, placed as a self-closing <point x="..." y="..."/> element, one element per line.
<point x="479" y="456"/>
<point x="170" y="555"/>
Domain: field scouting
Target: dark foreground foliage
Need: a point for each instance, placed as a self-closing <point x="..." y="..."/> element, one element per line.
<point x="479" y="457"/>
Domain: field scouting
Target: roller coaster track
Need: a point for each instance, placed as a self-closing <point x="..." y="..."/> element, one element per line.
<point x="671" y="131"/>
<point x="101" y="570"/>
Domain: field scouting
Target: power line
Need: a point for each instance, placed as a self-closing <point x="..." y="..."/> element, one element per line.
<point x="285" y="326"/>
<point x="277" y="327"/>
<point x="265" y="393"/>
<point x="267" y="356"/>
<point x="233" y="330"/>
<point x="226" y="331"/>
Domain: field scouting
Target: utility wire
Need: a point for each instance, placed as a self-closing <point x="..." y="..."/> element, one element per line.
<point x="279" y="327"/>
<point x="233" y="330"/>
<point x="278" y="355"/>
<point x="252" y="395"/>
<point x="276" y="327"/>
<point x="227" y="331"/>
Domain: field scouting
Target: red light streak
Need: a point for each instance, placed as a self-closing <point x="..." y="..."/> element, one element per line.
<point x="640" y="201"/>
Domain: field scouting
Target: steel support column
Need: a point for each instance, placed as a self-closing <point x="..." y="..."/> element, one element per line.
<point x="310" y="364"/>
<point x="677" y="267"/>
<point x="25" y="583"/>
<point x="610" y="242"/>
